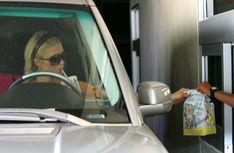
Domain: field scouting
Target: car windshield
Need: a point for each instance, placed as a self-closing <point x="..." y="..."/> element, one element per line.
<point x="60" y="52"/>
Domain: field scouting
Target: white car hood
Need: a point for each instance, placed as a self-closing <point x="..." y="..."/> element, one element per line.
<point x="65" y="138"/>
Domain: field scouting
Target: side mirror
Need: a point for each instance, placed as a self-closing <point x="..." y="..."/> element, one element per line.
<point x="154" y="98"/>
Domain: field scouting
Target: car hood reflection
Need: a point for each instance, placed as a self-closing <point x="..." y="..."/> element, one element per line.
<point x="67" y="138"/>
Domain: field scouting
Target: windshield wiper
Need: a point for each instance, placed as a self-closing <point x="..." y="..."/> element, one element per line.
<point x="29" y="117"/>
<point x="39" y="115"/>
<point x="6" y="116"/>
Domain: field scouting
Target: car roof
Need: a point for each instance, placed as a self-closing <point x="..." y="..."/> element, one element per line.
<point x="86" y="2"/>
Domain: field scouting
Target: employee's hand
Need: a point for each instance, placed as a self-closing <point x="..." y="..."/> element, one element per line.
<point x="204" y="88"/>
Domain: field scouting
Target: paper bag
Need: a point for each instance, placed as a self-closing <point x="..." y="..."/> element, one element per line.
<point x="198" y="115"/>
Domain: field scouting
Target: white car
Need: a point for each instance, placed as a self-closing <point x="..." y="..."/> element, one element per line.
<point x="63" y="116"/>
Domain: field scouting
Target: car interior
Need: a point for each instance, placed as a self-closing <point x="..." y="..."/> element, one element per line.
<point x="15" y="31"/>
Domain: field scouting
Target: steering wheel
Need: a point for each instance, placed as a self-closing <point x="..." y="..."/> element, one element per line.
<point x="25" y="77"/>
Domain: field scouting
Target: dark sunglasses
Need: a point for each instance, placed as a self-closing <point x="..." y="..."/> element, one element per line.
<point x="55" y="59"/>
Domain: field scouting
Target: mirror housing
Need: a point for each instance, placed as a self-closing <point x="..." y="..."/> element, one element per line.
<point x="154" y="98"/>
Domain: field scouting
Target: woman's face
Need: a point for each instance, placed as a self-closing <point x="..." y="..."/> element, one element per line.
<point x="52" y="60"/>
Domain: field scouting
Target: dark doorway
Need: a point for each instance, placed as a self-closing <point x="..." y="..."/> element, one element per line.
<point x="116" y="14"/>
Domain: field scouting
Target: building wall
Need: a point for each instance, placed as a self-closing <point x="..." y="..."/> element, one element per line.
<point x="170" y="54"/>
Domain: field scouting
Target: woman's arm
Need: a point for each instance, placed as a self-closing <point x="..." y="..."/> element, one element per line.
<point x="90" y="91"/>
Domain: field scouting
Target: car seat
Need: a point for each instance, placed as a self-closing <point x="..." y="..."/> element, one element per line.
<point x="6" y="80"/>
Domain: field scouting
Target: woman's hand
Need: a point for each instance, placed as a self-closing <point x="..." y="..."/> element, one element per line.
<point x="99" y="93"/>
<point x="179" y="96"/>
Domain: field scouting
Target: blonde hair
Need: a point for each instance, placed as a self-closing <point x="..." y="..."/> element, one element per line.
<point x="29" y="54"/>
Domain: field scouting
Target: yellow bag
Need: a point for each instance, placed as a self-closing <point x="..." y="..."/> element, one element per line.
<point x="198" y="115"/>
